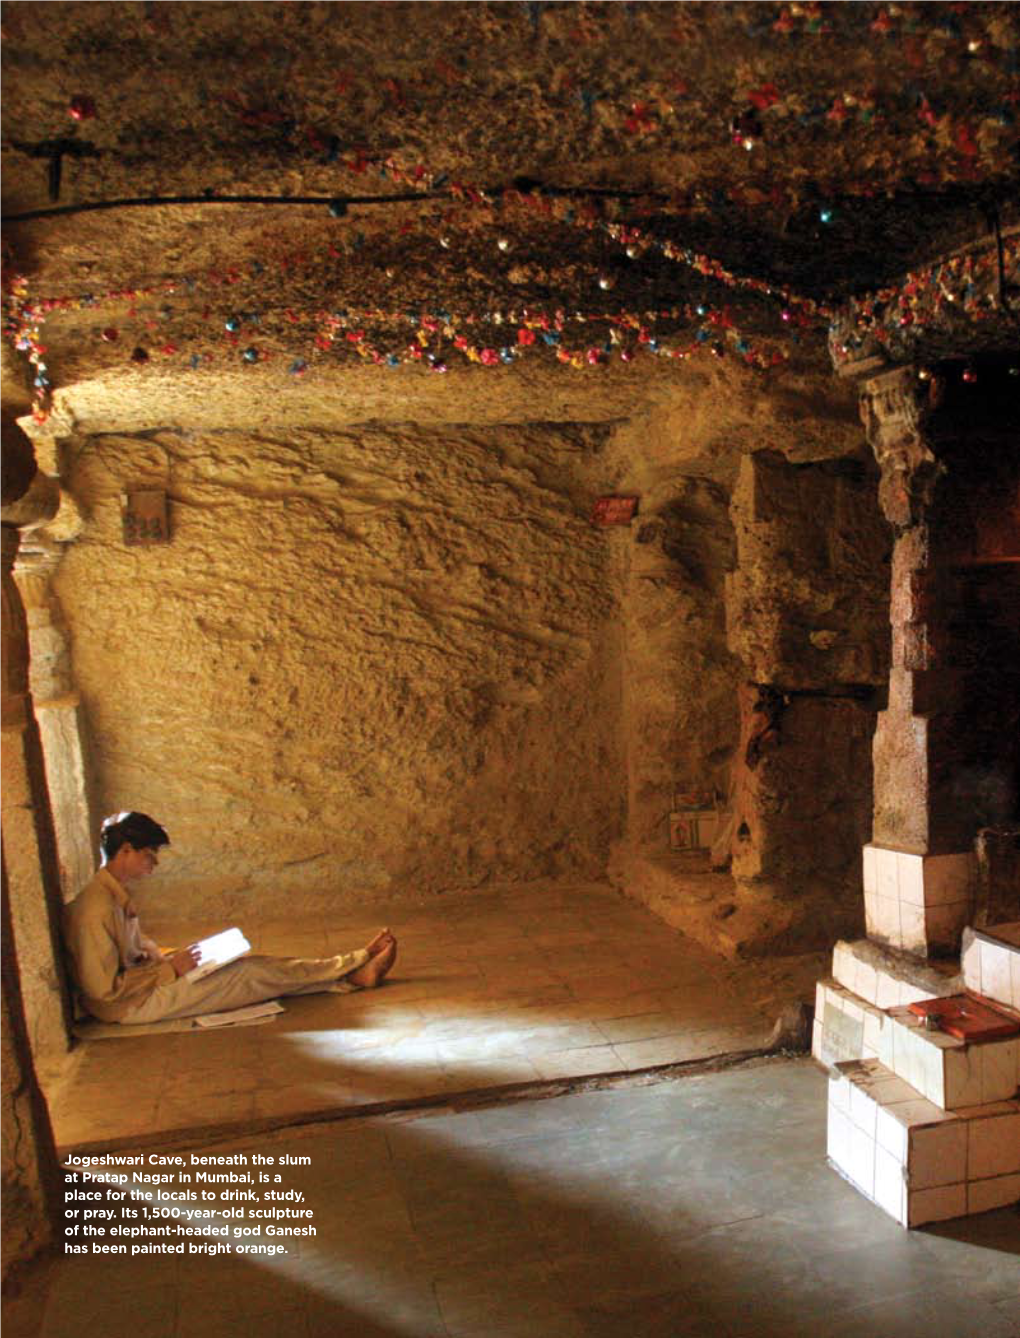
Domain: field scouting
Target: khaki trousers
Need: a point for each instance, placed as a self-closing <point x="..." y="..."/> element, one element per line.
<point x="249" y="980"/>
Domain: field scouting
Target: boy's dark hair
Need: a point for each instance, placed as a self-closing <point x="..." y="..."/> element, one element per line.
<point x="137" y="828"/>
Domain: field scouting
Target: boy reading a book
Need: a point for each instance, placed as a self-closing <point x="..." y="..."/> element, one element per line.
<point x="123" y="976"/>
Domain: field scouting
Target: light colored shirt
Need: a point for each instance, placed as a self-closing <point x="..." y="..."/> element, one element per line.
<point x="111" y="959"/>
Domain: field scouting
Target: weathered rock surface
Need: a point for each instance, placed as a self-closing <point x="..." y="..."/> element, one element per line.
<point x="386" y="657"/>
<point x="680" y="715"/>
<point x="807" y="616"/>
<point x="365" y="661"/>
<point x="807" y="604"/>
<point x="802" y="803"/>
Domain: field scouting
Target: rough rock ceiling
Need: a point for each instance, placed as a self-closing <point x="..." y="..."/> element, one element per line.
<point x="659" y="174"/>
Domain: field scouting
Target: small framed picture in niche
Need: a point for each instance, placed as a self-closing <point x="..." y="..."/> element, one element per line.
<point x="145" y="517"/>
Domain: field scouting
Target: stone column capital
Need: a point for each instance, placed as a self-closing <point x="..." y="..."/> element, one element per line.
<point x="894" y="410"/>
<point x="36" y="506"/>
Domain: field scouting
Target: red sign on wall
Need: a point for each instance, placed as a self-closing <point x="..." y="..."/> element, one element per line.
<point x="616" y="509"/>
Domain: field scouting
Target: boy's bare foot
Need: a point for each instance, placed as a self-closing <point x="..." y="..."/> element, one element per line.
<point x="377" y="967"/>
<point x="379" y="942"/>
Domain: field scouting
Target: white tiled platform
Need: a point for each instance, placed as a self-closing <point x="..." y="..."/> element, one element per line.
<point x="886" y="979"/>
<point x="949" y="1072"/>
<point x="991" y="963"/>
<point x="919" y="1163"/>
<point x="866" y="980"/>
<point x="924" y="1124"/>
<point x="845" y="1026"/>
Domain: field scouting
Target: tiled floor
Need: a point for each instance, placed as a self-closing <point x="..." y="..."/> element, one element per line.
<point x="490" y="989"/>
<point x="699" y="1207"/>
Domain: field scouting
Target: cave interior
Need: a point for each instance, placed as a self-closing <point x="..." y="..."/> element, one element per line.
<point x="557" y="452"/>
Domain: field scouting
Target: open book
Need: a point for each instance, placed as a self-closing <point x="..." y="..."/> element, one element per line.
<point x="217" y="951"/>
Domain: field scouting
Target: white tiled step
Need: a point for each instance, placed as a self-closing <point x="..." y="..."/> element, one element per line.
<point x="884" y="979"/>
<point x="991" y="963"/>
<point x="947" y="1071"/>
<point x="845" y="1027"/>
<point x="918" y="1163"/>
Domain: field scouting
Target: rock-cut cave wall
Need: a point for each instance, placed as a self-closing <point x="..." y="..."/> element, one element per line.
<point x="681" y="709"/>
<point x="388" y="659"/>
<point x="369" y="662"/>
<point x="807" y="613"/>
<point x="758" y="572"/>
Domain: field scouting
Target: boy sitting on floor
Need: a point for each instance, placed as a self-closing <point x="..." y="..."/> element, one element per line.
<point x="123" y="976"/>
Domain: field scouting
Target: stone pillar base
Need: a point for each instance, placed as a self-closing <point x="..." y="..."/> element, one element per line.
<point x="918" y="903"/>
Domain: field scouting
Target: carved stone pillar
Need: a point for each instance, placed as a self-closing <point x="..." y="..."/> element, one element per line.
<point x="29" y="848"/>
<point x="919" y="868"/>
<point x="33" y="1018"/>
<point x="59" y="713"/>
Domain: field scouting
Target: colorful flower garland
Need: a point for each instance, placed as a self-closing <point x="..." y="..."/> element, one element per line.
<point x="936" y="298"/>
<point x="627" y="334"/>
<point x="927" y="297"/>
<point x="22" y="326"/>
<point x="436" y="335"/>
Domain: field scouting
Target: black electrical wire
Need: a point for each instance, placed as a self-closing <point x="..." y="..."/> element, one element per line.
<point x="155" y="201"/>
